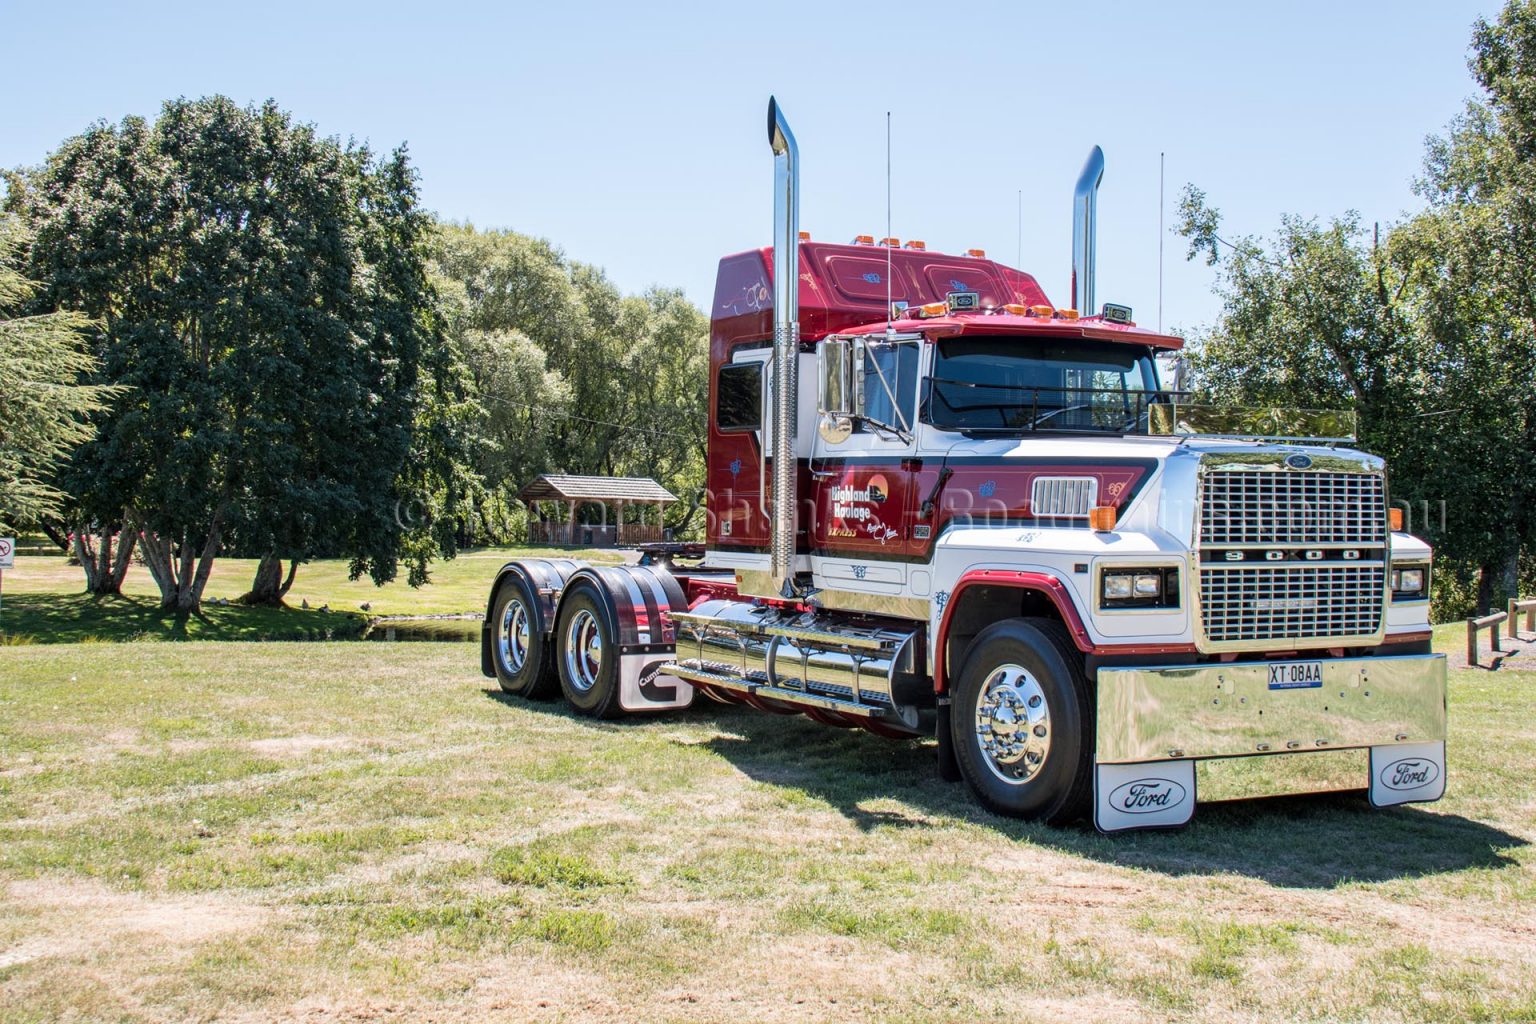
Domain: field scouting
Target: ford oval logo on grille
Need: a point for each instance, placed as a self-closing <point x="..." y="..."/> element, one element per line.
<point x="1299" y="461"/>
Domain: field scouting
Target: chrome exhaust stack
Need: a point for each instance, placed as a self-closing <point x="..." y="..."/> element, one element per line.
<point x="1085" y="247"/>
<point x="786" y="347"/>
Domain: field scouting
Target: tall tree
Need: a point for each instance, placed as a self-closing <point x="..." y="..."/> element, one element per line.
<point x="1476" y="249"/>
<point x="45" y="394"/>
<point x="264" y="297"/>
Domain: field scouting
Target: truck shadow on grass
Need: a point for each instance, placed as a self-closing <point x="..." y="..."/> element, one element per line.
<point x="1301" y="842"/>
<point x="1316" y="842"/>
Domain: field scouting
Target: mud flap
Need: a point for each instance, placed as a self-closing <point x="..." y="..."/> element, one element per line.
<point x="1407" y="773"/>
<point x="643" y="688"/>
<point x="1145" y="794"/>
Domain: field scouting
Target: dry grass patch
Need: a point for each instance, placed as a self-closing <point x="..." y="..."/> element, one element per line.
<point x="334" y="832"/>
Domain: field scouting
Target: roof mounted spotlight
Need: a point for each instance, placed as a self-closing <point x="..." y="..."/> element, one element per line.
<point x="963" y="302"/>
<point x="1114" y="313"/>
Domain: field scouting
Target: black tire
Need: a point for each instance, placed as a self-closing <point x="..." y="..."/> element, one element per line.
<point x="1058" y="788"/>
<point x="589" y="675"/>
<point x="534" y="675"/>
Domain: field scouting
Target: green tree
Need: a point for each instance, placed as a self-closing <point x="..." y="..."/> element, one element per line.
<point x="1475" y="251"/>
<point x="574" y="376"/>
<point x="45" y="402"/>
<point x="263" y="293"/>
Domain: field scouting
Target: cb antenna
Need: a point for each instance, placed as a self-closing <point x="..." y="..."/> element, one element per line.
<point x="890" y="330"/>
<point x="1160" y="159"/>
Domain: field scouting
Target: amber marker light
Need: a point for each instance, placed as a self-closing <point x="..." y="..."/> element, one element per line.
<point x="805" y="236"/>
<point x="1102" y="518"/>
<point x="979" y="254"/>
<point x="933" y="309"/>
<point x="1041" y="310"/>
<point x="1067" y="314"/>
<point x="1395" y="517"/>
<point x="918" y="245"/>
<point x="863" y="240"/>
<point x="891" y="243"/>
<point x="1015" y="309"/>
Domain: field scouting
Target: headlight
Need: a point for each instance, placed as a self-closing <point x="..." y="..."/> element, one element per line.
<point x="1117" y="586"/>
<point x="1410" y="583"/>
<point x="1139" y="588"/>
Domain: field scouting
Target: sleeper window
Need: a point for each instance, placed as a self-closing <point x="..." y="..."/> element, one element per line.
<point x="739" y="404"/>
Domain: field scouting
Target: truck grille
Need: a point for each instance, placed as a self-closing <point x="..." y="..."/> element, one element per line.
<point x="1279" y="507"/>
<point x="1279" y="538"/>
<point x="1297" y="603"/>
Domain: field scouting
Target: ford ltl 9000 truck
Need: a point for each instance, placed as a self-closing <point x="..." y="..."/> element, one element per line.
<point x="940" y="505"/>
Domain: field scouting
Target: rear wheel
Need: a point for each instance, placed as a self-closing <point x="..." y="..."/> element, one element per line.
<point x="1022" y="722"/>
<point x="588" y="655"/>
<point x="519" y="652"/>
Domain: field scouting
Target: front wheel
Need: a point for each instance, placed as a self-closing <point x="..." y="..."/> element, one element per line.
<point x="1022" y="722"/>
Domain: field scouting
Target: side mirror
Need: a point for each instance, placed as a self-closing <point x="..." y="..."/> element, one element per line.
<point x="839" y="387"/>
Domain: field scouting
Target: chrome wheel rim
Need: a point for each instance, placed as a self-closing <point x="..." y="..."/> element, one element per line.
<point x="1013" y="724"/>
<point x="583" y="650"/>
<point x="512" y="640"/>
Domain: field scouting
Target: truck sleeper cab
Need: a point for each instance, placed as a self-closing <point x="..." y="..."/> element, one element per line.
<point x="982" y="519"/>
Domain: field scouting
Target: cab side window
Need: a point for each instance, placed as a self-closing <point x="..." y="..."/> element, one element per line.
<point x="739" y="397"/>
<point x="895" y="366"/>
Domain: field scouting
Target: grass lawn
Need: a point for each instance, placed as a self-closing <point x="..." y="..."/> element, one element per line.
<point x="328" y="832"/>
<point x="43" y="600"/>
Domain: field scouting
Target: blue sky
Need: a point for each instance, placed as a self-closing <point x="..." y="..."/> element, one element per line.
<point x="633" y="134"/>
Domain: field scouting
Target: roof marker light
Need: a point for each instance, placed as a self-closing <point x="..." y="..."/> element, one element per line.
<point x="979" y="254"/>
<point x="1044" y="309"/>
<point x="1067" y="314"/>
<point x="805" y="236"/>
<point x="863" y="240"/>
<point x="1015" y="309"/>
<point x="891" y="243"/>
<point x="915" y="244"/>
<point x="933" y="309"/>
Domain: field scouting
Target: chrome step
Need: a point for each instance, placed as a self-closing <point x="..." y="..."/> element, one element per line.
<point x="737" y="683"/>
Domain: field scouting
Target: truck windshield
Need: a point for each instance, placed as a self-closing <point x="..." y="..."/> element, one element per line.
<point x="1019" y="384"/>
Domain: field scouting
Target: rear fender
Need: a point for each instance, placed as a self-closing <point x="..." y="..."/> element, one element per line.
<point x="638" y="602"/>
<point x="545" y="579"/>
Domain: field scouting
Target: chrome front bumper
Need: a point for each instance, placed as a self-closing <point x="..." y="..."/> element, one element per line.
<point x="1170" y="736"/>
<point x="1228" y="710"/>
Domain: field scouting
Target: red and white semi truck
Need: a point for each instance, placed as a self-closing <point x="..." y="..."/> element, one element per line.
<point x="941" y="505"/>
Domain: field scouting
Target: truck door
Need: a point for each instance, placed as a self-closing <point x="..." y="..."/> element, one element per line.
<point x="863" y="485"/>
<point x="739" y="436"/>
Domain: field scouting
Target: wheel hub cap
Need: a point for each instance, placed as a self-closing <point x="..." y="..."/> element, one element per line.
<point x="1013" y="724"/>
<point x="583" y="650"/>
<point x="512" y="640"/>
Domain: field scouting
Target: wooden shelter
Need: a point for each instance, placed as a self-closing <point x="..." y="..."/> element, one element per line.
<point x="574" y="491"/>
